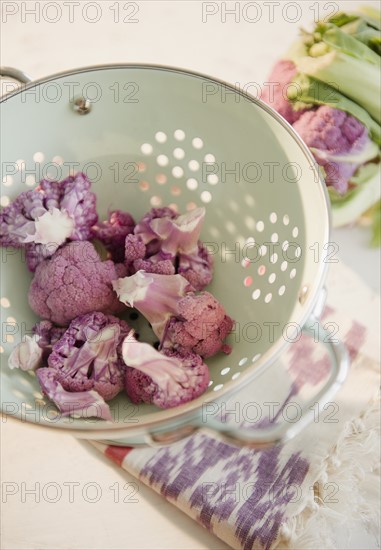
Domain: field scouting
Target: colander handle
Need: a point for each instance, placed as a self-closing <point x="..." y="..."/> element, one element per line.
<point x="15" y="74"/>
<point x="280" y="433"/>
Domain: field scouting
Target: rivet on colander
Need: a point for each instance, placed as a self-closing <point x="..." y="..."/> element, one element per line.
<point x="303" y="294"/>
<point x="81" y="105"/>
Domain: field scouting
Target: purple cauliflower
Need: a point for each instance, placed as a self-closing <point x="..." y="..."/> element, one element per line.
<point x="162" y="267"/>
<point x="88" y="356"/>
<point x="27" y="355"/>
<point x="180" y="318"/>
<point x="76" y="404"/>
<point x="201" y="324"/>
<point x="135" y="254"/>
<point x="43" y="219"/>
<point x="167" y="243"/>
<point x="339" y="142"/>
<point x="34" y="350"/>
<point x="335" y="139"/>
<point x="196" y="268"/>
<point x="113" y="232"/>
<point x="144" y="227"/>
<point x="86" y="361"/>
<point x="275" y="91"/>
<point x="165" y="379"/>
<point x="47" y="334"/>
<point x="74" y="281"/>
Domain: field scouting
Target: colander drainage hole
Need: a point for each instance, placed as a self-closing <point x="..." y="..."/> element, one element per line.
<point x="38" y="157"/>
<point x="4" y="200"/>
<point x="192" y="184"/>
<point x="206" y="197"/>
<point x="212" y="179"/>
<point x="162" y="160"/>
<point x="179" y="135"/>
<point x="209" y="158"/>
<point x="161" y="179"/>
<point x="134" y="315"/>
<point x="7" y="181"/>
<point x="197" y="143"/>
<point x="177" y="172"/>
<point x="161" y="137"/>
<point x="178" y="153"/>
<point x="146" y="148"/>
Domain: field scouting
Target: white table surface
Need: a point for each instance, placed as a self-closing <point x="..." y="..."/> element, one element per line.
<point x="171" y="33"/>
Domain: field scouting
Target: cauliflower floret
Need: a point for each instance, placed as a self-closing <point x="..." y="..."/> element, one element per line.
<point x="200" y="325"/>
<point x="180" y="318"/>
<point x="34" y="350"/>
<point x="339" y="142"/>
<point x="27" y="355"/>
<point x="85" y="367"/>
<point x="43" y="219"/>
<point x="74" y="281"/>
<point x="165" y="379"/>
<point x="113" y="232"/>
<point x="196" y="268"/>
<point x="135" y="252"/>
<point x="88" y="354"/>
<point x="75" y="404"/>
<point x="166" y="243"/>
<point x="275" y="93"/>
<point x="144" y="227"/>
<point x="48" y="334"/>
<point x="335" y="139"/>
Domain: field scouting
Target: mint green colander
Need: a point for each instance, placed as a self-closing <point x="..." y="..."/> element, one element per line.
<point x="150" y="136"/>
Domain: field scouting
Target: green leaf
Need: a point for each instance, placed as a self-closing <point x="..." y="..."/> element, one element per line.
<point x="340" y="41"/>
<point x="371" y="15"/>
<point x="352" y="77"/>
<point x="371" y="38"/>
<point x="364" y="33"/>
<point x="341" y="18"/>
<point x="376" y="226"/>
<point x="365" y="193"/>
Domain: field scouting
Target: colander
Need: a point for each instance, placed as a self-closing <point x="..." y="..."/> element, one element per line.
<point x="149" y="136"/>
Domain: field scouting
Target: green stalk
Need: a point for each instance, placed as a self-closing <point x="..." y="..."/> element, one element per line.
<point x="367" y="191"/>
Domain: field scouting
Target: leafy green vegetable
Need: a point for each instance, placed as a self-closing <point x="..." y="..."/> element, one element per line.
<point x="346" y="64"/>
<point x="363" y="32"/>
<point x="338" y="65"/>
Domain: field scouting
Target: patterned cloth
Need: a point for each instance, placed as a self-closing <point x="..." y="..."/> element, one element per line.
<point x="255" y="499"/>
